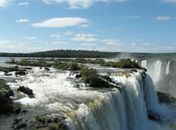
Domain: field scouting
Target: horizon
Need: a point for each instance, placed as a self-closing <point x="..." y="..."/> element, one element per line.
<point x="90" y="51"/>
<point x="126" y="26"/>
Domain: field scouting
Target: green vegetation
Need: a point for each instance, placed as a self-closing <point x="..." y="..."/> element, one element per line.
<point x="50" y="123"/>
<point x="64" y="54"/>
<point x="66" y="65"/>
<point x="96" y="80"/>
<point x="86" y="54"/>
<point x="88" y="75"/>
<point x="71" y="64"/>
<point x="3" y="85"/>
<point x="41" y="62"/>
<point x="123" y="63"/>
<point x="53" y="126"/>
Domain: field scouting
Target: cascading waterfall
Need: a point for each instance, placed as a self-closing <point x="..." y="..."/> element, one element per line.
<point x="153" y="68"/>
<point x="167" y="68"/>
<point x="157" y="70"/>
<point x="125" y="108"/>
<point x="144" y="63"/>
<point x="162" y="73"/>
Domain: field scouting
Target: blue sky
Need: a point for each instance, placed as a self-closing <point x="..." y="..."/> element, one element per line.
<point x="105" y="25"/>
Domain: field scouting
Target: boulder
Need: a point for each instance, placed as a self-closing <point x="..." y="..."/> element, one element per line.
<point x="26" y="91"/>
<point x="20" y="72"/>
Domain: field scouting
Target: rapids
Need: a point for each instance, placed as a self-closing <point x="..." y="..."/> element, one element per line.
<point x="85" y="108"/>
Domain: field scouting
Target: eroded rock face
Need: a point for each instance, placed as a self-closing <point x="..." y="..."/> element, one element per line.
<point x="6" y="103"/>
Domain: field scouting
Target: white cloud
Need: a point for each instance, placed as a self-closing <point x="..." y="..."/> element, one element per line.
<point x="22" y="20"/>
<point x="59" y="35"/>
<point x="163" y="18"/>
<point x="88" y="45"/>
<point x="170" y="1"/>
<point x="62" y="22"/>
<point x="56" y="36"/>
<point x="74" y="4"/>
<point x="10" y="46"/>
<point x="4" y="3"/>
<point x="77" y="4"/>
<point x="23" y="3"/>
<point x="31" y="40"/>
<point x="59" y="43"/>
<point x="111" y="42"/>
<point x="130" y="17"/>
<point x="82" y="37"/>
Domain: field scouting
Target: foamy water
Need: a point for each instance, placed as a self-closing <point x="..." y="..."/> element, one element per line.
<point x="124" y="108"/>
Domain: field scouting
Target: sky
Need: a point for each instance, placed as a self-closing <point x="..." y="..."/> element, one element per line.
<point x="104" y="25"/>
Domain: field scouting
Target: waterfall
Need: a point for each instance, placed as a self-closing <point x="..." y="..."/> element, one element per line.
<point x="144" y="63"/>
<point x="157" y="70"/>
<point x="154" y="68"/>
<point x="162" y="73"/>
<point x="168" y="68"/>
<point x="125" y="108"/>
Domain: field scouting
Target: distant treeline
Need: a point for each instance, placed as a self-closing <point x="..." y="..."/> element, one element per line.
<point x="85" y="54"/>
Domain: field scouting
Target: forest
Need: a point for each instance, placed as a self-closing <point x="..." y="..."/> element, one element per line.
<point x="85" y="54"/>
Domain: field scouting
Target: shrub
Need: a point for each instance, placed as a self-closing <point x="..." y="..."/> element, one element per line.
<point x="88" y="75"/>
<point x="123" y="63"/>
<point x="3" y="85"/>
<point x="53" y="126"/>
<point x="74" y="66"/>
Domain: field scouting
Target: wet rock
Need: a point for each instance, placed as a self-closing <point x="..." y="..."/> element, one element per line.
<point x="28" y="68"/>
<point x="20" y="72"/>
<point x="7" y="74"/>
<point x="153" y="116"/>
<point x="47" y="69"/>
<point x="133" y="70"/>
<point x="165" y="98"/>
<point x="24" y="111"/>
<point x="20" y="126"/>
<point x="78" y="75"/>
<point x="16" y="121"/>
<point x="26" y="91"/>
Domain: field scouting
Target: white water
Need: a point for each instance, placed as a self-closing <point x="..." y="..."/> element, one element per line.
<point x="53" y="90"/>
<point x="154" y="69"/>
<point x="144" y="63"/>
<point x="168" y="68"/>
<point x="120" y="109"/>
<point x="123" y="110"/>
